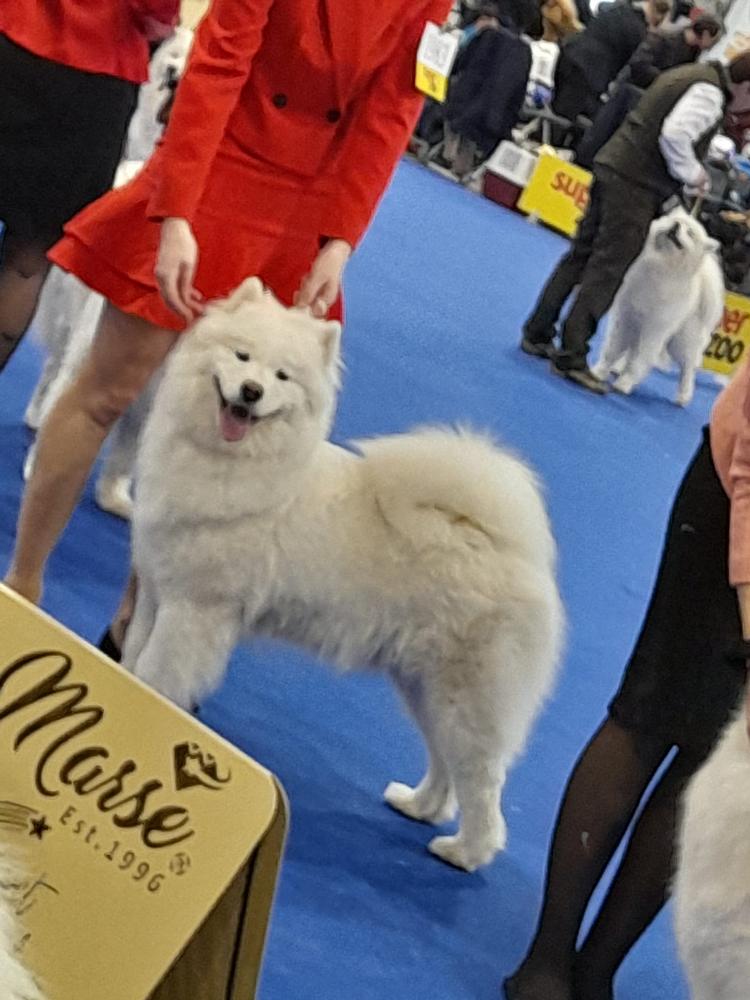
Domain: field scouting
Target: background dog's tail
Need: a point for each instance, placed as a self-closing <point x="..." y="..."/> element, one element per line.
<point x="15" y="981"/>
<point x="450" y="488"/>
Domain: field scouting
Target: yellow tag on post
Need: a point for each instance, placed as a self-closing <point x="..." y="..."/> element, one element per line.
<point x="729" y="344"/>
<point x="557" y="194"/>
<point x="435" y="58"/>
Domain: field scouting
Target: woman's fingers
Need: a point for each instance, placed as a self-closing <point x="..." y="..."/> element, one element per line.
<point x="190" y="297"/>
<point x="325" y="298"/>
<point x="168" y="280"/>
<point x="317" y="296"/>
<point x="307" y="292"/>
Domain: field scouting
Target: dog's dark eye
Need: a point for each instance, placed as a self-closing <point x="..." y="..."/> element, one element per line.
<point x="282" y="376"/>
<point x="241" y="356"/>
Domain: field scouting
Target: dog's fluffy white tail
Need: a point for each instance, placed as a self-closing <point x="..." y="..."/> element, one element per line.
<point x="433" y="481"/>
<point x="15" y="981"/>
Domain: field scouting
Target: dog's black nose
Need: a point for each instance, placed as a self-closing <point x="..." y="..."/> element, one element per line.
<point x="251" y="392"/>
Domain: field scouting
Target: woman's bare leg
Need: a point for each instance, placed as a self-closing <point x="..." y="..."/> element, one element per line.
<point x="124" y="356"/>
<point x="22" y="273"/>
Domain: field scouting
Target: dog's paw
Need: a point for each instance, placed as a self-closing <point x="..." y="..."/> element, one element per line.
<point x="114" y="497"/>
<point x="623" y="385"/>
<point x="683" y="399"/>
<point x="468" y="857"/>
<point x="600" y="371"/>
<point x="409" y="802"/>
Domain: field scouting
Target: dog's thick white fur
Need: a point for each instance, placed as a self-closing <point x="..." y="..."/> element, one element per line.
<point x="712" y="886"/>
<point x="68" y="313"/>
<point x="670" y="302"/>
<point x="15" y="981"/>
<point x="430" y="558"/>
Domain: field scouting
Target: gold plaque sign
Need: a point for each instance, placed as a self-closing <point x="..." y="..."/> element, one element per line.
<point x="151" y="844"/>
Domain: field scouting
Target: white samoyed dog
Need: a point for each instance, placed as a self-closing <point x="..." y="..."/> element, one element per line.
<point x="15" y="981"/>
<point x="712" y="886"/>
<point x="68" y="313"/>
<point x="671" y="301"/>
<point x="428" y="556"/>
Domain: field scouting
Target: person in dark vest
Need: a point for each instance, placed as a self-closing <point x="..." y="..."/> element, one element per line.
<point x="661" y="50"/>
<point x="655" y="153"/>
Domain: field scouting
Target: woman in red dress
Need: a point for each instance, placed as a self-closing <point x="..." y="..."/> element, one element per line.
<point x="287" y="126"/>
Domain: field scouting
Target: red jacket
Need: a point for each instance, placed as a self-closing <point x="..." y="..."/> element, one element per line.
<point x="319" y="92"/>
<point x="98" y="36"/>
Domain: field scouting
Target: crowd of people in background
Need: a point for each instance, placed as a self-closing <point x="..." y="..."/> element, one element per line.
<point x="586" y="66"/>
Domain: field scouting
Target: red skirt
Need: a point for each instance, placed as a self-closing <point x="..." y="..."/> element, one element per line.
<point x="250" y="223"/>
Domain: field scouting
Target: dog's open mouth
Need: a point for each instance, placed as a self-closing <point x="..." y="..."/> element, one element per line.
<point x="234" y="418"/>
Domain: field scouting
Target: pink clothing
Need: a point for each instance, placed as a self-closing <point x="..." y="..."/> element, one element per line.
<point x="730" y="448"/>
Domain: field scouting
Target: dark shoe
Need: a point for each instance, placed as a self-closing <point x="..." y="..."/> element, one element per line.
<point x="109" y="647"/>
<point x="538" y="348"/>
<point x="583" y="377"/>
<point x="542" y="989"/>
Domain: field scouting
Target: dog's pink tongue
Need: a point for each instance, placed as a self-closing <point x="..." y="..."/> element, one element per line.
<point x="232" y="428"/>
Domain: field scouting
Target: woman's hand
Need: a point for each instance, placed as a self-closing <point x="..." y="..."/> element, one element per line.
<point x="176" y="265"/>
<point x="322" y="286"/>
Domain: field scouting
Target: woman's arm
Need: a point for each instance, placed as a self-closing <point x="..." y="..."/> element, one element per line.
<point x="739" y="520"/>
<point x="223" y="50"/>
<point x="385" y="120"/>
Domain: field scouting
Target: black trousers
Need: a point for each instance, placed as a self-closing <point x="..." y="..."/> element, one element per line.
<point x="610" y="237"/>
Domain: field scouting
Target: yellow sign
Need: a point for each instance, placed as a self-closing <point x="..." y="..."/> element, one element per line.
<point x="729" y="344"/>
<point x="557" y="193"/>
<point x="135" y="824"/>
<point x="435" y="58"/>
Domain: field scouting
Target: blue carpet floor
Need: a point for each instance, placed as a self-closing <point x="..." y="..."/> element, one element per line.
<point x="436" y="298"/>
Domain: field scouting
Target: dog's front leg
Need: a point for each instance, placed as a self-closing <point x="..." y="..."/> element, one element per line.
<point x="188" y="649"/>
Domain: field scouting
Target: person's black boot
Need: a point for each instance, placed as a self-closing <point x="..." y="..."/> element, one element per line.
<point x="583" y="377"/>
<point x="109" y="647"/>
<point x="537" y="348"/>
<point x="536" y="987"/>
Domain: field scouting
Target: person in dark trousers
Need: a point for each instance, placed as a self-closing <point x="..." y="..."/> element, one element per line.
<point x="655" y="153"/>
<point x="659" y="52"/>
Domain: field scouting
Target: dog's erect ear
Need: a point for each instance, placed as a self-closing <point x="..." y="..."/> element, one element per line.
<point x="251" y="290"/>
<point x="330" y="341"/>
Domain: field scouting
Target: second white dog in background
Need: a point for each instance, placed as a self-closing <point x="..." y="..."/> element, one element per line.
<point x="712" y="887"/>
<point x="429" y="557"/>
<point x="671" y="301"/>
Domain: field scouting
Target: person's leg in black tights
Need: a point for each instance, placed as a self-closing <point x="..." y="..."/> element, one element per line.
<point x="639" y="889"/>
<point x="602" y="796"/>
